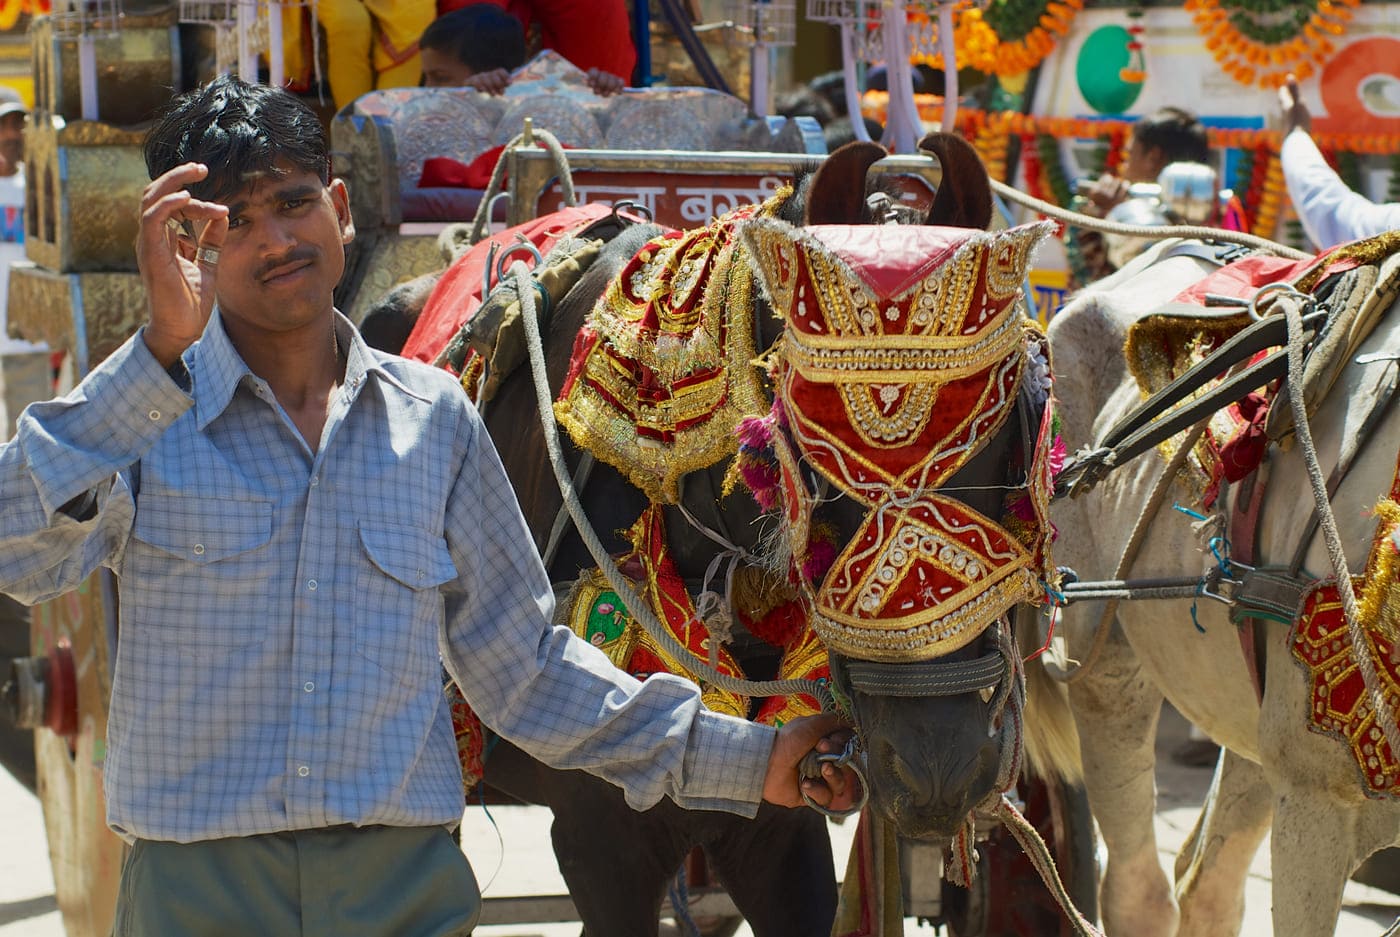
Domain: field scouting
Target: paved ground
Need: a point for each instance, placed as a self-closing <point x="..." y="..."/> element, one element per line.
<point x="510" y="852"/>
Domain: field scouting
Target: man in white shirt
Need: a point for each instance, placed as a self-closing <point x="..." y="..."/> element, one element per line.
<point x="1331" y="212"/>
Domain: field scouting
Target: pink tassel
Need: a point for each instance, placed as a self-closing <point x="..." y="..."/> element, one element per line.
<point x="755" y="432"/>
<point x="820" y="555"/>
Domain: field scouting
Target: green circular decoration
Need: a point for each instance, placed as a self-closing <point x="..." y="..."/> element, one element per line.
<point x="1104" y="54"/>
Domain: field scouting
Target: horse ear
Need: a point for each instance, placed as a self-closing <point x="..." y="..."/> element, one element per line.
<point x="964" y="198"/>
<point x="837" y="192"/>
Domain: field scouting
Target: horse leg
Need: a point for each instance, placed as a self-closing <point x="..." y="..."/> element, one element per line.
<point x="616" y="861"/>
<point x="777" y="868"/>
<point x="1214" y="863"/>
<point x="1116" y="709"/>
<point x="1318" y="841"/>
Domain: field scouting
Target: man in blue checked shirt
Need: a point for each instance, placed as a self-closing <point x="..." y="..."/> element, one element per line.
<point x="303" y="528"/>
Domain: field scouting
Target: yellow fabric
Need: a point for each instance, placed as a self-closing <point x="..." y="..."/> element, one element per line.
<point x="368" y="43"/>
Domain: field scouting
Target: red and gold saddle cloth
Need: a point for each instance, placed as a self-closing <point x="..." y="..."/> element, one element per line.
<point x="1341" y="706"/>
<point x="903" y="354"/>
<point x="596" y="614"/>
<point x="663" y="370"/>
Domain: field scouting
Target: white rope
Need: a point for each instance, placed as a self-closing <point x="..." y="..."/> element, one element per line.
<point x="1159" y="232"/>
<point x="482" y="221"/>
<point x="636" y="607"/>
<point x="1385" y="717"/>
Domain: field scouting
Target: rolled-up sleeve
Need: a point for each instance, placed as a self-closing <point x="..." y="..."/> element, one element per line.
<point x="557" y="696"/>
<point x="72" y="451"/>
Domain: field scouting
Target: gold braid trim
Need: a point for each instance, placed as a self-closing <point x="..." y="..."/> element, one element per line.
<point x="653" y="439"/>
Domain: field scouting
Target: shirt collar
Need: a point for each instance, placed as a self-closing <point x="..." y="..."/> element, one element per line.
<point x="216" y="368"/>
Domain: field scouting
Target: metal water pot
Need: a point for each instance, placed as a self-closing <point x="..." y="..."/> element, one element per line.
<point x="1188" y="192"/>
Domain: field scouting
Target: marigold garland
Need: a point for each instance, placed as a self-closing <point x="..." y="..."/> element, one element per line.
<point x="1271" y="197"/>
<point x="1009" y="38"/>
<point x="1264" y="53"/>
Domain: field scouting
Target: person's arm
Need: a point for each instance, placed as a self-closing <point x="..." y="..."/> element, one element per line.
<point x="561" y="700"/>
<point x="1330" y="211"/>
<point x="64" y="508"/>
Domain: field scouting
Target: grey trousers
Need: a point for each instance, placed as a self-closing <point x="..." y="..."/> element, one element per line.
<point x="339" y="882"/>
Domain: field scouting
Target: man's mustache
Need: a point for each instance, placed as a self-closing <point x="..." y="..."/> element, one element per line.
<point x="304" y="252"/>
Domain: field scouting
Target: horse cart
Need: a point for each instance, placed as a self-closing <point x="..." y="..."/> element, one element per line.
<point x="61" y="688"/>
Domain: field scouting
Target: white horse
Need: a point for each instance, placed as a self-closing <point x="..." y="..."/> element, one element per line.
<point x="1274" y="769"/>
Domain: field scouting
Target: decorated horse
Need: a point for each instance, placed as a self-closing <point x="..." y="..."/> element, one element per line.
<point x="1262" y="515"/>
<point x="880" y="393"/>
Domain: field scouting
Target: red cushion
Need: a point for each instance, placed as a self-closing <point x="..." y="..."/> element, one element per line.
<point x="442" y="172"/>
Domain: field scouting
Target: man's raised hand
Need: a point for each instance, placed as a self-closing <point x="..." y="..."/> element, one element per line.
<point x="177" y="252"/>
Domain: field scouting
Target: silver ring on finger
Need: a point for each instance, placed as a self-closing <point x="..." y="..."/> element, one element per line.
<point x="209" y="256"/>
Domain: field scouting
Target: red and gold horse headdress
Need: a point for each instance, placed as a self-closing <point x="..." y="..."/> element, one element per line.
<point x="903" y="354"/>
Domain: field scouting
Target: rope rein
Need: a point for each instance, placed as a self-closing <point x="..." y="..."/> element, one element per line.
<point x="482" y="220"/>
<point x="1157" y="232"/>
<point x="1292" y="303"/>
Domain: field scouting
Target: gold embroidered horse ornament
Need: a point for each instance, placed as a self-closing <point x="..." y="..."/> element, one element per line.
<point x="909" y="382"/>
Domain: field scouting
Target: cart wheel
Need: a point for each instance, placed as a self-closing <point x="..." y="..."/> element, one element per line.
<point x="86" y="856"/>
<point x="1019" y="904"/>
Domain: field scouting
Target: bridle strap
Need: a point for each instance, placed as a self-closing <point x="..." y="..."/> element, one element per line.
<point x="1162" y="416"/>
<point x="933" y="678"/>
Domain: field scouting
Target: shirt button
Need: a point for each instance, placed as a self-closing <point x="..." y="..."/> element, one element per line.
<point x="308" y="686"/>
<point x="420" y="575"/>
<point x="303" y="771"/>
<point x="315" y="480"/>
<point x="154" y="414"/>
<point x="311" y="584"/>
<point x="199" y="549"/>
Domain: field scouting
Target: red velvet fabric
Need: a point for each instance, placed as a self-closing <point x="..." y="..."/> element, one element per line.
<point x="1247" y="274"/>
<point x="458" y="294"/>
<point x="889" y="260"/>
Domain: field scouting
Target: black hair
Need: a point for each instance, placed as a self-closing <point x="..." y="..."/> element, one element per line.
<point x="240" y="131"/>
<point x="832" y="87"/>
<point x="806" y="102"/>
<point x="1179" y="135"/>
<point x="482" y="37"/>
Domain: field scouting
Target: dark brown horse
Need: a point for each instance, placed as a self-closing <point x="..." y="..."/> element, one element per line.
<point x="930" y="758"/>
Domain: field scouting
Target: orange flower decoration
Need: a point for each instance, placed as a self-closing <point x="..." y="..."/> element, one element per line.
<point x="1267" y="65"/>
<point x="979" y="47"/>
